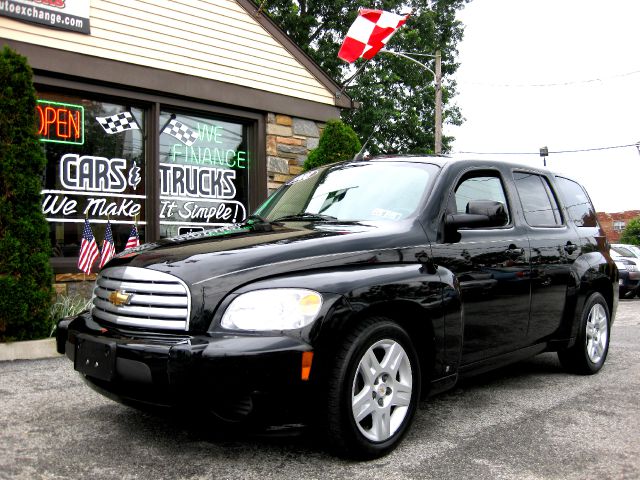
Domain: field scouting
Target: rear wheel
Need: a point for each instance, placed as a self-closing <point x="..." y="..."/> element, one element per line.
<point x="589" y="353"/>
<point x="373" y="390"/>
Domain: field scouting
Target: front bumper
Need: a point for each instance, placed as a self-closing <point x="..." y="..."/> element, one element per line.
<point x="233" y="376"/>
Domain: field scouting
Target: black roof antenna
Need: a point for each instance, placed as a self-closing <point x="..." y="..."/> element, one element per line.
<point x="360" y="155"/>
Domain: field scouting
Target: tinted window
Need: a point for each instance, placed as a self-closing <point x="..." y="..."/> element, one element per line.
<point x="538" y="203"/>
<point x="477" y="188"/>
<point x="578" y="205"/>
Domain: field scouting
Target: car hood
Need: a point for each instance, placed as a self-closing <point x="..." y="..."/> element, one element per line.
<point x="216" y="262"/>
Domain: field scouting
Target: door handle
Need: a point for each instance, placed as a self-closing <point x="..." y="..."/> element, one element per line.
<point x="570" y="247"/>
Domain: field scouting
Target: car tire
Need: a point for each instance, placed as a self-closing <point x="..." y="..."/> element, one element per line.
<point x="373" y="390"/>
<point x="588" y="354"/>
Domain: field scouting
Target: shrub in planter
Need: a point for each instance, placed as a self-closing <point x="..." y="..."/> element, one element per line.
<point x="338" y="143"/>
<point x="25" y="273"/>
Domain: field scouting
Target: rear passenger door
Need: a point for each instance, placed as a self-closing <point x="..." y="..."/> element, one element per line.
<point x="554" y="247"/>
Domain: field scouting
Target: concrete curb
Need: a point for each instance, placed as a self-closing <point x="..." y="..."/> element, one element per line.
<point x="29" y="350"/>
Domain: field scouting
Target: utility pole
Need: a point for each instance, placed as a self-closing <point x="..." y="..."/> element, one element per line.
<point x="437" y="75"/>
<point x="438" y="119"/>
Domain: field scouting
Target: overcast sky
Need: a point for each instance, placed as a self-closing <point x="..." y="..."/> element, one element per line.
<point x="586" y="54"/>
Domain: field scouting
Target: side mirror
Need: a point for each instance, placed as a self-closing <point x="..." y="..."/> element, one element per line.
<point x="480" y="214"/>
<point x="495" y="211"/>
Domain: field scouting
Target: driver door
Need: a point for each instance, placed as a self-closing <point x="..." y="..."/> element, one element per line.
<point x="492" y="268"/>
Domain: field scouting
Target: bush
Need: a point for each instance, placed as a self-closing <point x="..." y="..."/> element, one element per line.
<point x="631" y="233"/>
<point x="338" y="143"/>
<point x="25" y="273"/>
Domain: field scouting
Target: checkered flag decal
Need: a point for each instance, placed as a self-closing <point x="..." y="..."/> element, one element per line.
<point x="181" y="132"/>
<point x="118" y="123"/>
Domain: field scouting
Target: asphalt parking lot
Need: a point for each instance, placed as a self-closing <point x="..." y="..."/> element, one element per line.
<point x="527" y="421"/>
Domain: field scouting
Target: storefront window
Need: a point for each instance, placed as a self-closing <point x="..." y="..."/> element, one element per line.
<point x="204" y="173"/>
<point x="95" y="170"/>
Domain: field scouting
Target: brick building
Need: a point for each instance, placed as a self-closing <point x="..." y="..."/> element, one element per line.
<point x="614" y="223"/>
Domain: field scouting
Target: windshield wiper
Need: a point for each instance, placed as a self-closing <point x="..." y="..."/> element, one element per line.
<point x="306" y="216"/>
<point x="258" y="224"/>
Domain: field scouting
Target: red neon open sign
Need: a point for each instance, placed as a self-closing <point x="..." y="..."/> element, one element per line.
<point x="60" y="122"/>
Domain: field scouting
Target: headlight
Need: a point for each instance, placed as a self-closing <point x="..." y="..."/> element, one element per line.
<point x="272" y="309"/>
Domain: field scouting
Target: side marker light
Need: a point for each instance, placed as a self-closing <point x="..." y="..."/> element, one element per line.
<point x="307" y="358"/>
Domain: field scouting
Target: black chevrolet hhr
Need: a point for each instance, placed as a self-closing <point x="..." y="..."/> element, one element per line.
<point x="355" y="290"/>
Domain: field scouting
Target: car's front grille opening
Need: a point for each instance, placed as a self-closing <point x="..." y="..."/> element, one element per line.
<point x="140" y="297"/>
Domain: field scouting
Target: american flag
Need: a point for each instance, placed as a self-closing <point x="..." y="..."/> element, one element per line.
<point x="108" y="248"/>
<point x="134" y="238"/>
<point x="88" y="249"/>
<point x="370" y="32"/>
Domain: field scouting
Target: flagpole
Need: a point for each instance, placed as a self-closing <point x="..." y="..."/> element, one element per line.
<point x="352" y="77"/>
<point x="172" y="117"/>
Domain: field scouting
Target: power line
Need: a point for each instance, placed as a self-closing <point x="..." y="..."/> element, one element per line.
<point x="552" y="152"/>
<point x="555" y="84"/>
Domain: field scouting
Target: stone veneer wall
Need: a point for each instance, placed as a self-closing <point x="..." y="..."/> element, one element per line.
<point x="74" y="284"/>
<point x="289" y="140"/>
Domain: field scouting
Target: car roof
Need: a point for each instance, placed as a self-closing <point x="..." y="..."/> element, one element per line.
<point x="443" y="161"/>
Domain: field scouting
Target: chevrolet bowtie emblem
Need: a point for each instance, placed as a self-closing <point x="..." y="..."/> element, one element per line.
<point x="120" y="297"/>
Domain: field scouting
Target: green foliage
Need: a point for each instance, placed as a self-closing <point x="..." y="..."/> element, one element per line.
<point x="397" y="97"/>
<point x="338" y="143"/>
<point x="66" y="306"/>
<point x="25" y="273"/>
<point x="631" y="233"/>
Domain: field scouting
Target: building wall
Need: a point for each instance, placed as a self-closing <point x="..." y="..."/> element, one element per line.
<point x="607" y="220"/>
<point x="213" y="39"/>
<point x="289" y="141"/>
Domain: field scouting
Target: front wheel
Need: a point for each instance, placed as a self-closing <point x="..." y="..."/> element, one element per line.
<point x="373" y="390"/>
<point x="589" y="353"/>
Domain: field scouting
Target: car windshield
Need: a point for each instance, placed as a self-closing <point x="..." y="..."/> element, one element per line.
<point x="352" y="192"/>
<point x="622" y="251"/>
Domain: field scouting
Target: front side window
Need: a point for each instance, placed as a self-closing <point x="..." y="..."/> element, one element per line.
<point x="204" y="172"/>
<point x="353" y="192"/>
<point x="96" y="170"/>
<point x="538" y="202"/>
<point x="476" y="189"/>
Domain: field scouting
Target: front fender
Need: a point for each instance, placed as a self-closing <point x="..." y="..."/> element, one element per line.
<point x="426" y="304"/>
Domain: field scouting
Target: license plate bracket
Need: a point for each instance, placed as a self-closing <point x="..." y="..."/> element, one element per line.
<point x="95" y="357"/>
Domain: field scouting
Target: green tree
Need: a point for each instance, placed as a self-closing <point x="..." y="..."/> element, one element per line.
<point x="25" y="273"/>
<point x="338" y="142"/>
<point x="631" y="233"/>
<point x="397" y="97"/>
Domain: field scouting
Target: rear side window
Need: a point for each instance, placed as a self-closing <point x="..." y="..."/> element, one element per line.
<point x="579" y="207"/>
<point x="538" y="202"/>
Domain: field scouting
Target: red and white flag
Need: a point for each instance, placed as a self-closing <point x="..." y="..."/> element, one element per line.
<point x="88" y="249"/>
<point x="108" y="247"/>
<point x="134" y="239"/>
<point x="369" y="33"/>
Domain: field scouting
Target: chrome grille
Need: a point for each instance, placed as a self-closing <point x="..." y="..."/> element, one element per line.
<point x="148" y="298"/>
